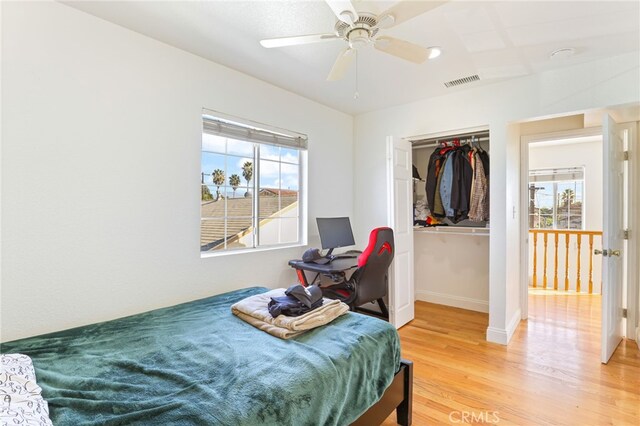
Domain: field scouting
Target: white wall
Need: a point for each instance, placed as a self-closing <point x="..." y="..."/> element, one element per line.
<point x="596" y="84"/>
<point x="101" y="134"/>
<point x="1" y="159"/>
<point x="512" y="240"/>
<point x="452" y="269"/>
<point x="588" y="155"/>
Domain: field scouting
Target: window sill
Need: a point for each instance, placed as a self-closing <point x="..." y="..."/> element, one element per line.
<point x="207" y="255"/>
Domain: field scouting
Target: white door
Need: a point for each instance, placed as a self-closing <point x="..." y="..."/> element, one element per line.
<point x="612" y="238"/>
<point x="400" y="214"/>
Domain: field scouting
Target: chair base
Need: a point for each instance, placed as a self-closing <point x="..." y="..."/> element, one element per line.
<point x="384" y="312"/>
<point x="333" y="292"/>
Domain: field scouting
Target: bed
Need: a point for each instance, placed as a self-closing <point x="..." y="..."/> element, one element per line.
<point x="197" y="364"/>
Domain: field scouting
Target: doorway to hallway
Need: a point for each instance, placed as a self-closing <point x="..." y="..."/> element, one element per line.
<point x="565" y="194"/>
<point x="563" y="251"/>
<point x="565" y="214"/>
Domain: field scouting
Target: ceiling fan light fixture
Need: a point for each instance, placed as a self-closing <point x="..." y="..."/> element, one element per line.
<point x="434" y="52"/>
<point x="359" y="37"/>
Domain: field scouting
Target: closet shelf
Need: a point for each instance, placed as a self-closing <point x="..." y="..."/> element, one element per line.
<point x="453" y="230"/>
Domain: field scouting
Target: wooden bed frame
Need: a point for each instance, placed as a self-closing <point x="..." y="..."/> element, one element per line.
<point x="398" y="396"/>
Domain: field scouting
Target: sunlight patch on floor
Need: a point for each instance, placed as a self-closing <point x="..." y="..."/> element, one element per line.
<point x="551" y="292"/>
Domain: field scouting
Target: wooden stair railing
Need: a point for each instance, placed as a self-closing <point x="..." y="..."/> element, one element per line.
<point x="567" y="239"/>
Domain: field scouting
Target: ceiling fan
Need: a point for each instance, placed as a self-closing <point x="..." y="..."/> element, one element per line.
<point x="360" y="29"/>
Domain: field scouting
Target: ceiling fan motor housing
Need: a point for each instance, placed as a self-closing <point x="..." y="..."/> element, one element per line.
<point x="360" y="33"/>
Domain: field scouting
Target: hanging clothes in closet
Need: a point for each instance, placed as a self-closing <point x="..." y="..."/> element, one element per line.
<point x="458" y="182"/>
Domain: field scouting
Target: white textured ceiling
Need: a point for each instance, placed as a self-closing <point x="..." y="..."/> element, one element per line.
<point x="495" y="40"/>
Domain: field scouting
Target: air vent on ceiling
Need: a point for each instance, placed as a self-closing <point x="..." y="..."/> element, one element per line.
<point x="461" y="81"/>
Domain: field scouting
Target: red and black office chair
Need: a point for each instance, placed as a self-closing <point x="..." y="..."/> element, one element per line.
<point x="369" y="282"/>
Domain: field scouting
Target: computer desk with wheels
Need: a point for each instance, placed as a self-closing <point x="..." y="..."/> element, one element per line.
<point x="336" y="269"/>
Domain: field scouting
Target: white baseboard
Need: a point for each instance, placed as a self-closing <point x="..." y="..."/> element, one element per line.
<point x="497" y="335"/>
<point x="514" y="323"/>
<point x="638" y="337"/>
<point x="502" y="336"/>
<point x="451" y="300"/>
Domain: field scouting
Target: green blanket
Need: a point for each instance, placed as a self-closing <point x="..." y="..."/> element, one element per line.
<point x="197" y="364"/>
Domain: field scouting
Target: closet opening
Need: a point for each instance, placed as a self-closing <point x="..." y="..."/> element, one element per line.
<point x="451" y="218"/>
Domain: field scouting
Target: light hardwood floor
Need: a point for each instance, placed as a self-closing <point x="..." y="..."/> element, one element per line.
<point x="550" y="373"/>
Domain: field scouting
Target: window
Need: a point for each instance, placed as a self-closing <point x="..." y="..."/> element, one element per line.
<point x="251" y="183"/>
<point x="556" y="198"/>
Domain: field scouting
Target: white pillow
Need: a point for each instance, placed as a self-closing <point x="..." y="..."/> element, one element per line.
<point x="21" y="401"/>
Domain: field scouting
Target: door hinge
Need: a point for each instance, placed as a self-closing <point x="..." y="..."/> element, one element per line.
<point x="625" y="234"/>
<point x="624" y="312"/>
<point x="625" y="155"/>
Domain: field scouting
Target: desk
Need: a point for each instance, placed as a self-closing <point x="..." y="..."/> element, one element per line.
<point x="336" y="268"/>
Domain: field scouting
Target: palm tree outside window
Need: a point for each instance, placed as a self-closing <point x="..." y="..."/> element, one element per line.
<point x="556" y="198"/>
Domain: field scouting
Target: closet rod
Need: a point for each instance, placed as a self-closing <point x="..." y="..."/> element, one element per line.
<point x="482" y="136"/>
<point x="426" y="144"/>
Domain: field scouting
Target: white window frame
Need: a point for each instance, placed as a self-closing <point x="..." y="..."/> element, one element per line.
<point x="259" y="135"/>
<point x="558" y="176"/>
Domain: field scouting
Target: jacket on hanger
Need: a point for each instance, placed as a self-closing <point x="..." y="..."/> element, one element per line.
<point x="446" y="184"/>
<point x="478" y="210"/>
<point x="461" y="185"/>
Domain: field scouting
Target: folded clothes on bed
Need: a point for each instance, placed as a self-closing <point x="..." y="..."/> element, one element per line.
<point x="290" y="306"/>
<point x="254" y="310"/>
<point x="298" y="300"/>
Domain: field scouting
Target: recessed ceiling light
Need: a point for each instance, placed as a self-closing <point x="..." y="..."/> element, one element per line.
<point x="434" y="52"/>
<point x="563" y="52"/>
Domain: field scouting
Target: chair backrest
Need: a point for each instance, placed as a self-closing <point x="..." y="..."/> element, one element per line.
<point x="373" y="264"/>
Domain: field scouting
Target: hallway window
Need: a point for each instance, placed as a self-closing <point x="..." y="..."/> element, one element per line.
<point x="556" y="198"/>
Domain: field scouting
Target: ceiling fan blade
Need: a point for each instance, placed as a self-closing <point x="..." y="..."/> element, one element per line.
<point x="405" y="10"/>
<point x="402" y="49"/>
<point x="297" y="40"/>
<point x="341" y="65"/>
<point x="344" y="10"/>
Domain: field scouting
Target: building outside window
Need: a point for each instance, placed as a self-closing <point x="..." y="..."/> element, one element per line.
<point x="556" y="198"/>
<point x="251" y="185"/>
